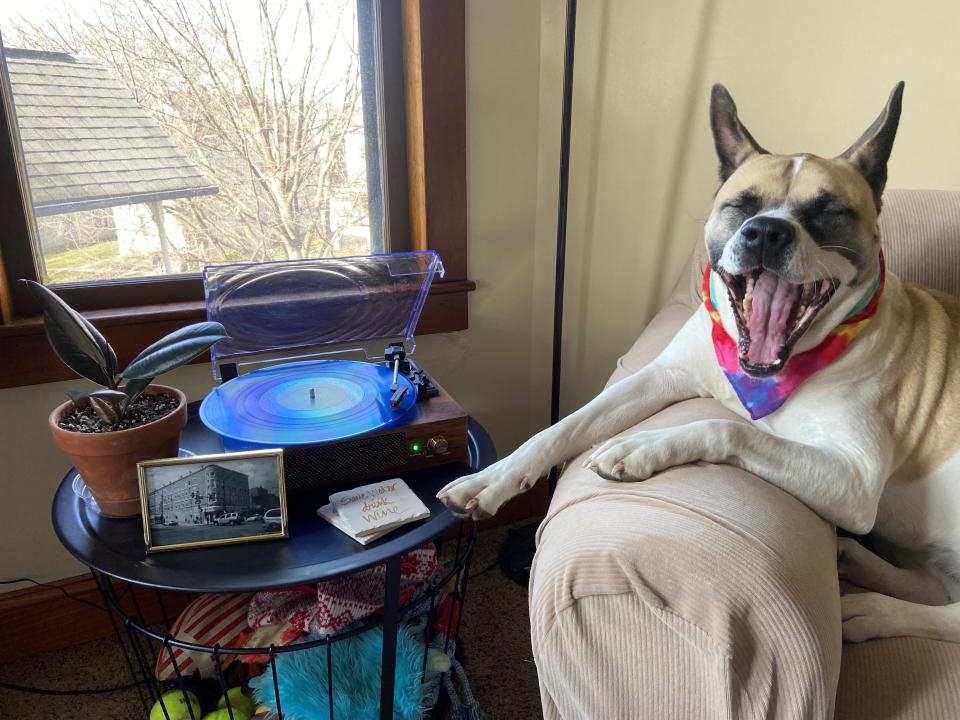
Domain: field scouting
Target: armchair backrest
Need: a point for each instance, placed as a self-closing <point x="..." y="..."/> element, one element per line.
<point x="921" y="237"/>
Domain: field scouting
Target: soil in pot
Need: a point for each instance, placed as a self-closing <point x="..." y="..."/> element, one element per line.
<point x="143" y="410"/>
<point x="107" y="461"/>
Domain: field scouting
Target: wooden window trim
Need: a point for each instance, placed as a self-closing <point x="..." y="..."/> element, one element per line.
<point x="432" y="78"/>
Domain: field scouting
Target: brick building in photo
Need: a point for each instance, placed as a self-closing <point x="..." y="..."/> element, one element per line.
<point x="200" y="497"/>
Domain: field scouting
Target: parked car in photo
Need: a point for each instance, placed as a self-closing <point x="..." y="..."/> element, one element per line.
<point x="171" y="523"/>
<point x="229" y="519"/>
<point x="272" y="519"/>
<point x="254" y="518"/>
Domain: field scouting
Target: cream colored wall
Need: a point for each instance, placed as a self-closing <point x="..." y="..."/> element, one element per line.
<point x="806" y="76"/>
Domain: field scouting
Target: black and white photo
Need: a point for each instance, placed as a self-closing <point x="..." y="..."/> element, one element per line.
<point x="213" y="499"/>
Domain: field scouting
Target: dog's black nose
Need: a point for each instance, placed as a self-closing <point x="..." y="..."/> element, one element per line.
<point x="767" y="235"/>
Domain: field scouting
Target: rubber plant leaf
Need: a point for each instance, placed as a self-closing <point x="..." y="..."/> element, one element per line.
<point x="72" y="355"/>
<point x="133" y="389"/>
<point x="113" y="397"/>
<point x="105" y="410"/>
<point x="174" y="350"/>
<point x="78" y="343"/>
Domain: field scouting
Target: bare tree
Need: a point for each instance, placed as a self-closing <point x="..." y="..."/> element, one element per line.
<point x="266" y="118"/>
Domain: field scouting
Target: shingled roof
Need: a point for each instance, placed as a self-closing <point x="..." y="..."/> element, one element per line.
<point x="87" y="143"/>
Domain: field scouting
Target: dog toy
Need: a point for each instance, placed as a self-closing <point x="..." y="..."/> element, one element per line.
<point x="238" y="701"/>
<point x="176" y="706"/>
<point x="224" y="714"/>
<point x="302" y="679"/>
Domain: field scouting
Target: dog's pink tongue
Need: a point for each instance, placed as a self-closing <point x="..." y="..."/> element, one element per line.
<point x="773" y="301"/>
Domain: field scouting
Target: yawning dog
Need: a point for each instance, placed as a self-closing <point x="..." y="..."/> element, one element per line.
<point x="851" y="379"/>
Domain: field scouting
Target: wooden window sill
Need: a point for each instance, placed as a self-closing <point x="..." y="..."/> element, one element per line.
<point x="26" y="357"/>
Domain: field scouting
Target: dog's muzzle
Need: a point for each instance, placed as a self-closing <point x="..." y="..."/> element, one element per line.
<point x="766" y="241"/>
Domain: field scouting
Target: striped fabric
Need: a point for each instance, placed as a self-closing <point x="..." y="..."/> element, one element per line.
<point x="706" y="593"/>
<point x="921" y="237"/>
<point x="900" y="679"/>
<point x="209" y="620"/>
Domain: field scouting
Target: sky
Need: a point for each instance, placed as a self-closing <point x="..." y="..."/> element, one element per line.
<point x="245" y="13"/>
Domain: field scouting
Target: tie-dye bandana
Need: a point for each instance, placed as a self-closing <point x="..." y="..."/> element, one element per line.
<point x="761" y="396"/>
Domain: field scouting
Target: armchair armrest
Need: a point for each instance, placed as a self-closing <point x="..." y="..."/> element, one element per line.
<point x="704" y="592"/>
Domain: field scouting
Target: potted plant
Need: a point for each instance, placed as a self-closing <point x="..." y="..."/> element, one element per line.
<point x="107" y="431"/>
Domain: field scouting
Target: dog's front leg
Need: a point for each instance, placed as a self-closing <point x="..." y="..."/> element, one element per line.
<point x="871" y="615"/>
<point x="621" y="405"/>
<point x="841" y="483"/>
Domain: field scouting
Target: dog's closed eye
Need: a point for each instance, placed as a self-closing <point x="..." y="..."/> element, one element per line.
<point x="746" y="202"/>
<point x="838" y="210"/>
<point x="825" y="204"/>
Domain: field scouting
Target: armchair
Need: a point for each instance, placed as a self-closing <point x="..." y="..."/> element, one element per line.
<point x="707" y="593"/>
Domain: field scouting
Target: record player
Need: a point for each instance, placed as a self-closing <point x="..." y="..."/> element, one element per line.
<point x="318" y="362"/>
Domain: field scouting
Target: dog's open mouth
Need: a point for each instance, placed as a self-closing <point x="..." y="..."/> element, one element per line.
<point x="772" y="314"/>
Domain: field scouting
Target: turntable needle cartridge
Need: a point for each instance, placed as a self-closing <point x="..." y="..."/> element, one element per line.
<point x="396" y="392"/>
<point x="397" y="397"/>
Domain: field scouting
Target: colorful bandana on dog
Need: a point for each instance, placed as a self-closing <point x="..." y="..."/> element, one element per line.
<point x="761" y="396"/>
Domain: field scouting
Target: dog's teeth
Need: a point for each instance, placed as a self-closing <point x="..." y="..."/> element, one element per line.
<point x="747" y="305"/>
<point x="749" y="290"/>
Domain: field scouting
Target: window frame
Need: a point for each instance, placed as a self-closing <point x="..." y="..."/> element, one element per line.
<point x="423" y="143"/>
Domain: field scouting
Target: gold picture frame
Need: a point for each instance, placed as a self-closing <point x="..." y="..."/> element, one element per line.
<point x="197" y="508"/>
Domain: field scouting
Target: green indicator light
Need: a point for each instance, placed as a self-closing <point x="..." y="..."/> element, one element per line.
<point x="415" y="447"/>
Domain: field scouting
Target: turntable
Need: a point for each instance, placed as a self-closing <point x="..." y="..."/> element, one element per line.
<point x="318" y="363"/>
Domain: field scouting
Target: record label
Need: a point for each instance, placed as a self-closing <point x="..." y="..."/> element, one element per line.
<point x="302" y="403"/>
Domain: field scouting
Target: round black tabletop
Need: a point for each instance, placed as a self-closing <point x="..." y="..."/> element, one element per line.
<point x="315" y="550"/>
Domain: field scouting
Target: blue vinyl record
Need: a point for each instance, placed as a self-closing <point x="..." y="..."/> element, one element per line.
<point x="274" y="406"/>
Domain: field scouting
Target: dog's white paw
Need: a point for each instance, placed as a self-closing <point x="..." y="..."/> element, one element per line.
<point x="868" y="615"/>
<point x="621" y="459"/>
<point x="635" y="457"/>
<point x="848" y="552"/>
<point x="480" y="495"/>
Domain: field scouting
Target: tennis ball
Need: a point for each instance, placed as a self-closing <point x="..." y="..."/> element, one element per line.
<point x="176" y="706"/>
<point x="238" y="701"/>
<point x="224" y="714"/>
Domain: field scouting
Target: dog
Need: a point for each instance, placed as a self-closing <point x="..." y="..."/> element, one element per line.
<point x="851" y="379"/>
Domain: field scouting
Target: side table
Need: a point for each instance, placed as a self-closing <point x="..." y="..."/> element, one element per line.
<point x="114" y="550"/>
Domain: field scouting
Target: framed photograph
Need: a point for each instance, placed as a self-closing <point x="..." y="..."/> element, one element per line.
<point x="190" y="502"/>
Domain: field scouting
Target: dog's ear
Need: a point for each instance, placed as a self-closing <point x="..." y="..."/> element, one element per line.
<point x="733" y="141"/>
<point x="870" y="152"/>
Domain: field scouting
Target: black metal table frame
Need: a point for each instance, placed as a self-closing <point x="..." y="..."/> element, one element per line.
<point x="393" y="614"/>
<point x="82" y="532"/>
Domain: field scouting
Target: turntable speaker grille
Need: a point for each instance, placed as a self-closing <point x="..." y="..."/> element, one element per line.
<point x="319" y="467"/>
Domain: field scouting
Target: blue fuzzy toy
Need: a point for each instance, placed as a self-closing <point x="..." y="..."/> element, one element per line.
<point x="302" y="679"/>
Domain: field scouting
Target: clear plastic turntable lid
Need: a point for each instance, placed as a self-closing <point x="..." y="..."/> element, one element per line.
<point x="307" y="308"/>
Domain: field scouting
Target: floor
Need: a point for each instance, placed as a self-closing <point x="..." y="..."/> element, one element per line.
<point x="495" y="636"/>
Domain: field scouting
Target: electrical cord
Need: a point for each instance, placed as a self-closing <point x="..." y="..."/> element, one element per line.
<point x="54" y="587"/>
<point x="79" y="691"/>
<point x="51" y="691"/>
<point x="487" y="569"/>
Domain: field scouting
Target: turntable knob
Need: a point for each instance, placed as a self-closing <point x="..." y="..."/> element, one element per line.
<point x="439" y="445"/>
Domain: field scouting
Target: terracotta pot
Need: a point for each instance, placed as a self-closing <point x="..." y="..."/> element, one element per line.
<point x="107" y="462"/>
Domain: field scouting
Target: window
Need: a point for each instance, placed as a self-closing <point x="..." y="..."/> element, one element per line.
<point x="157" y="138"/>
<point x="141" y="140"/>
